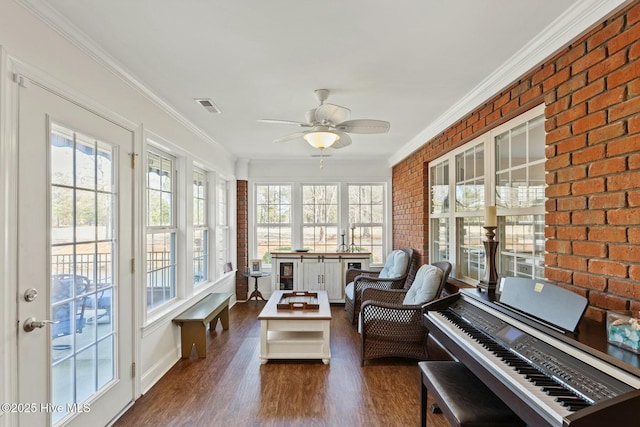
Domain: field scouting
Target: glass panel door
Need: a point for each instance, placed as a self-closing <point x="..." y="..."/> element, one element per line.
<point x="75" y="243"/>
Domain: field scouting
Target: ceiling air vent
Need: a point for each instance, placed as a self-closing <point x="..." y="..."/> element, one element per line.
<point x="208" y="105"/>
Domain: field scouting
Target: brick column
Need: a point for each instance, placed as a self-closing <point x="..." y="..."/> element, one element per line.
<point x="242" y="221"/>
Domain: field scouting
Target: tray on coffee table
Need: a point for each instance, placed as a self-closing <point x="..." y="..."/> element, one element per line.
<point x="299" y="300"/>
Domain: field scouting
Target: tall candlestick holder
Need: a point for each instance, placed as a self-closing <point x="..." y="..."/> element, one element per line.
<point x="343" y="246"/>
<point x="352" y="246"/>
<point x="490" y="280"/>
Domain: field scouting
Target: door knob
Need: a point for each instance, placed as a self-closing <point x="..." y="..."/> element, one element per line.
<point x="30" y="294"/>
<point x="31" y="323"/>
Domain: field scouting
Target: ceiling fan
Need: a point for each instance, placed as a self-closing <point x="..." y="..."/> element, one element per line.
<point x="329" y="125"/>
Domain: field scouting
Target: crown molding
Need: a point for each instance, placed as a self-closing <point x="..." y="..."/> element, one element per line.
<point x="569" y="26"/>
<point x="51" y="17"/>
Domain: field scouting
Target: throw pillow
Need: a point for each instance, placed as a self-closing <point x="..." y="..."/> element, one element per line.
<point x="425" y="286"/>
<point x="395" y="265"/>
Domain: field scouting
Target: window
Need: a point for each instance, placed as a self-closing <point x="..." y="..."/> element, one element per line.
<point x="366" y="219"/>
<point x="200" y="228"/>
<point x="273" y="220"/>
<point x="504" y="167"/>
<point x="313" y="215"/>
<point x="161" y="228"/>
<point x="320" y="217"/>
<point x="439" y="221"/>
<point x="222" y="231"/>
<point x="520" y="189"/>
<point x="470" y="202"/>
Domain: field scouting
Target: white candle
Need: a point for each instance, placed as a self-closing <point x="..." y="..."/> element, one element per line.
<point x="342" y="232"/>
<point x="490" y="217"/>
<point x="353" y="226"/>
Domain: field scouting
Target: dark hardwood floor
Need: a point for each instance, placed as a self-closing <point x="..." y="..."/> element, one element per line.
<point x="231" y="388"/>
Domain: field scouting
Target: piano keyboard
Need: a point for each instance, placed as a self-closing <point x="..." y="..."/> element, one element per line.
<point x="541" y="374"/>
<point x="552" y="410"/>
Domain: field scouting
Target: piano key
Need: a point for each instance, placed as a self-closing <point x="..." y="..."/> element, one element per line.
<point x="532" y="374"/>
<point x="560" y="393"/>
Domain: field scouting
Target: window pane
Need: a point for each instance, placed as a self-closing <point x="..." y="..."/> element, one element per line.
<point x="85" y="174"/>
<point x="519" y="145"/>
<point x="161" y="266"/>
<point x="159" y="190"/>
<point x="272" y="239"/>
<point x="200" y="229"/>
<point x="440" y="187"/>
<point x="320" y="238"/>
<point x="536" y="184"/>
<point x="470" y="180"/>
<point x="61" y="158"/>
<point x="199" y="197"/>
<point x="439" y="240"/>
<point x="222" y="233"/>
<point x="273" y="220"/>
<point x="520" y="159"/>
<point x="536" y="136"/>
<point x="366" y="214"/>
<point x="377" y="214"/>
<point x="522" y="252"/>
<point x="200" y="255"/>
<point x="471" y="254"/>
<point x="502" y="151"/>
<point x="320" y="207"/>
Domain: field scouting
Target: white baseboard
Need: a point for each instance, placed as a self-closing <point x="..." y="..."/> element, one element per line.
<point x="157" y="371"/>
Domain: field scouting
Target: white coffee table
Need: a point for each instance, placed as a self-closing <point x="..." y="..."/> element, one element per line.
<point x="295" y="334"/>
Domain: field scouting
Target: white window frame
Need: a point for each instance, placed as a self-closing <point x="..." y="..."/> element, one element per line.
<point x="454" y="217"/>
<point x="330" y="229"/>
<point x="185" y="163"/>
<point x="440" y="245"/>
<point x="266" y="260"/>
<point x="223" y="238"/>
<point x="203" y="227"/>
<point x="356" y="227"/>
<point x="171" y="229"/>
<point x="296" y="211"/>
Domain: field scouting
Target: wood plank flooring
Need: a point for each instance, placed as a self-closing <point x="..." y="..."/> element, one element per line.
<point x="231" y="388"/>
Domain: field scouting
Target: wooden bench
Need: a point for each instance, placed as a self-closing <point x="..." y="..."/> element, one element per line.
<point x="193" y="322"/>
<point x="464" y="400"/>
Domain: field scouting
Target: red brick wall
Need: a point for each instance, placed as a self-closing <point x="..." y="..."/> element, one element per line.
<point x="591" y="90"/>
<point x="242" y="221"/>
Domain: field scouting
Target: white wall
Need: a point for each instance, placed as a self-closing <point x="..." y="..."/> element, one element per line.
<point x="33" y="48"/>
<point x="309" y="169"/>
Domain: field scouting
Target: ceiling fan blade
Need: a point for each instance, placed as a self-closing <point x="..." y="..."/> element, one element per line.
<point x="283" y="122"/>
<point x="291" y="137"/>
<point x="332" y="113"/>
<point x="344" y="141"/>
<point x="364" y="126"/>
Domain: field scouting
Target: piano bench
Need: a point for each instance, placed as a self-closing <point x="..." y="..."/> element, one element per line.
<point x="464" y="400"/>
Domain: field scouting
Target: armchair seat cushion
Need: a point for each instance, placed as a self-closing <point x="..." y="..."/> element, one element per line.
<point x="395" y="266"/>
<point x="348" y="290"/>
<point x="425" y="286"/>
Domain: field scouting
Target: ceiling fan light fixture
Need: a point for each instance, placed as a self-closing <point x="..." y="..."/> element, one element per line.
<point x="321" y="139"/>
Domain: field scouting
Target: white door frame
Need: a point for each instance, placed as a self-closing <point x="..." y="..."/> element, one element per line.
<point x="11" y="71"/>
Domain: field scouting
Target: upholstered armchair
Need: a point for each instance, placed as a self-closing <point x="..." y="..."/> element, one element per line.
<point x="391" y="319"/>
<point x="398" y="272"/>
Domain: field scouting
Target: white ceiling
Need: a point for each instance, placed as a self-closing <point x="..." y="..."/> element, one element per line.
<point x="410" y="62"/>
